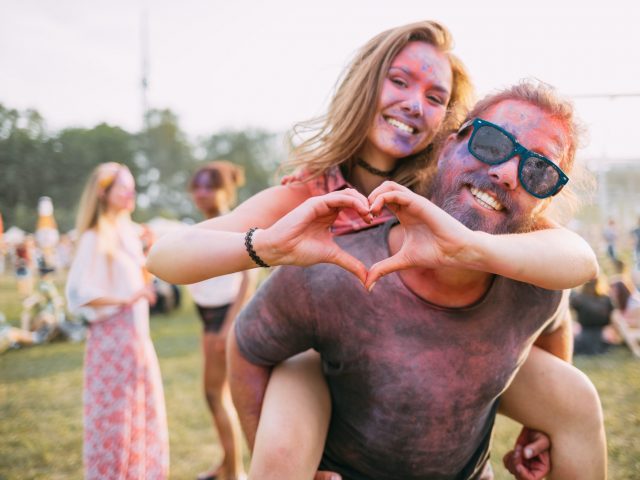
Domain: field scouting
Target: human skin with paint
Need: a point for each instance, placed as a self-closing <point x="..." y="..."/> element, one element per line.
<point x="411" y="106"/>
<point x="509" y="208"/>
<point x="217" y="246"/>
<point x="554" y="411"/>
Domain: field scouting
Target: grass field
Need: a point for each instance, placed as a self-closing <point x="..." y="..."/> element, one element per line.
<point x="40" y="404"/>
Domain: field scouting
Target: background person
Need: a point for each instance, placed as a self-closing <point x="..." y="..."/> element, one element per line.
<point x="593" y="309"/>
<point x="610" y="235"/>
<point x="635" y="234"/>
<point x="624" y="294"/>
<point x="218" y="301"/>
<point x="125" y="426"/>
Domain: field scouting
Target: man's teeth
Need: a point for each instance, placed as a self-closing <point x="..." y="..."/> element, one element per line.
<point x="398" y="124"/>
<point x="485" y="199"/>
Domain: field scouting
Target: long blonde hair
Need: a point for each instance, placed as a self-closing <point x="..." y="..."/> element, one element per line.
<point x="338" y="136"/>
<point x="93" y="202"/>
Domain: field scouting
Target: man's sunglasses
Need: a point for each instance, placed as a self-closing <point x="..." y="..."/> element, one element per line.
<point x="493" y="145"/>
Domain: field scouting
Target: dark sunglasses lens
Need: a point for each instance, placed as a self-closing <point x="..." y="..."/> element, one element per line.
<point x="491" y="145"/>
<point x="539" y="176"/>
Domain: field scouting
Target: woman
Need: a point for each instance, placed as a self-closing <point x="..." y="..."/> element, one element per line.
<point x="125" y="426"/>
<point x="593" y="309"/>
<point x="218" y="300"/>
<point x="402" y="89"/>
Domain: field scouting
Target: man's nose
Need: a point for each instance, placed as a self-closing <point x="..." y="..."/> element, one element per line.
<point x="505" y="174"/>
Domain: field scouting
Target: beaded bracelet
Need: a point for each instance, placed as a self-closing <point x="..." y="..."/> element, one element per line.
<point x="248" y="238"/>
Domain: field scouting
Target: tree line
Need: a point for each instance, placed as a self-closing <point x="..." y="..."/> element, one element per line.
<point x="35" y="162"/>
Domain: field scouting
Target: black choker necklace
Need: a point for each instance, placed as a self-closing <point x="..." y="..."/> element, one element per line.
<point x="371" y="169"/>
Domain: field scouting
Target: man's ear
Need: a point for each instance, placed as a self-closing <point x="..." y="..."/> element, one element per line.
<point x="541" y="221"/>
<point x="448" y="144"/>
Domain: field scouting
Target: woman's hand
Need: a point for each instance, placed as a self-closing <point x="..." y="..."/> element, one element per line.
<point x="146" y="292"/>
<point x="303" y="236"/>
<point x="432" y="237"/>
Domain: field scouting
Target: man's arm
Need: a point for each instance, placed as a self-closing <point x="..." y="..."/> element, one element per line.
<point x="248" y="383"/>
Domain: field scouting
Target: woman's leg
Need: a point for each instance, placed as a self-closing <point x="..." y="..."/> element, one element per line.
<point x="556" y="398"/>
<point x="216" y="390"/>
<point x="294" y="421"/>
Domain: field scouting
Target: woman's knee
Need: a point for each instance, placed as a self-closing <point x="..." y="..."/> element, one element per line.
<point x="587" y="408"/>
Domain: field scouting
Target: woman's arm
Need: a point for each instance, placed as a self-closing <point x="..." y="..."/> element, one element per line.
<point x="554" y="258"/>
<point x="216" y="246"/>
<point x="145" y="292"/>
<point x="301" y="237"/>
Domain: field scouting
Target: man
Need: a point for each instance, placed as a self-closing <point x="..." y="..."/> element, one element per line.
<point x="610" y="235"/>
<point x="414" y="369"/>
<point x="635" y="233"/>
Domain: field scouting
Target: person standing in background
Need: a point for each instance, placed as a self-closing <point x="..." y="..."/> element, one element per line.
<point x="635" y="233"/>
<point x="24" y="265"/>
<point x="610" y="236"/>
<point x="218" y="301"/>
<point x="125" y="425"/>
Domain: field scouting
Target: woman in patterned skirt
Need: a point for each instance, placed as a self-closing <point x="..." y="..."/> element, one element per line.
<point x="125" y="426"/>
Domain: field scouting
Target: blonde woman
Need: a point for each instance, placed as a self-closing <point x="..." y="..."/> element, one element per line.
<point x="125" y="427"/>
<point x="218" y="301"/>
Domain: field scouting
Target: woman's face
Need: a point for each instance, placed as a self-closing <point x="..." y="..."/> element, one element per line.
<point x="412" y="103"/>
<point x="208" y="199"/>
<point x="122" y="194"/>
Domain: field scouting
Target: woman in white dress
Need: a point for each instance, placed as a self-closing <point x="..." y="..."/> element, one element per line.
<point x="125" y="426"/>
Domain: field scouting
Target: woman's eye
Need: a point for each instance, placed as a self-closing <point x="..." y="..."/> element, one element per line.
<point x="399" y="82"/>
<point x="435" y="99"/>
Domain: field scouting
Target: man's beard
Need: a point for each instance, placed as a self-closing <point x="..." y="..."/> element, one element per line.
<point x="448" y="198"/>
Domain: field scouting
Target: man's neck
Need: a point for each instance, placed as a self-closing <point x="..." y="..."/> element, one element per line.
<point x="445" y="286"/>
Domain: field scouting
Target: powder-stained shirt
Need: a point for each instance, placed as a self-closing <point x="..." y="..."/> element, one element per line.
<point x="414" y="386"/>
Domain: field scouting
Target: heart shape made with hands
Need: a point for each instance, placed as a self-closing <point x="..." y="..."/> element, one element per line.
<point x="431" y="238"/>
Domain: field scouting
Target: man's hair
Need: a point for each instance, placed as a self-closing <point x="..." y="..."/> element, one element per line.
<point x="338" y="136"/>
<point x="546" y="98"/>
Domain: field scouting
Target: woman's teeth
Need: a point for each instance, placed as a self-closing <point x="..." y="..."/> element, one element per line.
<point x="398" y="124"/>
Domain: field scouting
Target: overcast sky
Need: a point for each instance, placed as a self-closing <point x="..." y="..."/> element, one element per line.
<point x="268" y="64"/>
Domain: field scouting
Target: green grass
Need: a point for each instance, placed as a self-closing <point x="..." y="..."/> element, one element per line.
<point x="40" y="404"/>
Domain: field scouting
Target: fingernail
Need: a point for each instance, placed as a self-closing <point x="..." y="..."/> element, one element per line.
<point x="335" y="477"/>
<point x="371" y="286"/>
<point x="528" y="453"/>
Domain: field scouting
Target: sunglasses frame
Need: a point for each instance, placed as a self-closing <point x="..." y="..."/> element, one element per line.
<point x="519" y="150"/>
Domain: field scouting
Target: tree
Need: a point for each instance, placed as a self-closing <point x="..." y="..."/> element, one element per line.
<point x="258" y="151"/>
<point x="165" y="161"/>
<point x="24" y="148"/>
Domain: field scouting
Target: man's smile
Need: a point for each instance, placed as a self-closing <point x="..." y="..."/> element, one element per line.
<point x="485" y="199"/>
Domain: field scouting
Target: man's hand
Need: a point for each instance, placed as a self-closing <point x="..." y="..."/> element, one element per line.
<point x="303" y="236"/>
<point x="432" y="237"/>
<point x="530" y="459"/>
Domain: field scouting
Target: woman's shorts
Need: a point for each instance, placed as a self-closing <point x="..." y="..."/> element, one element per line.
<point x="213" y="317"/>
